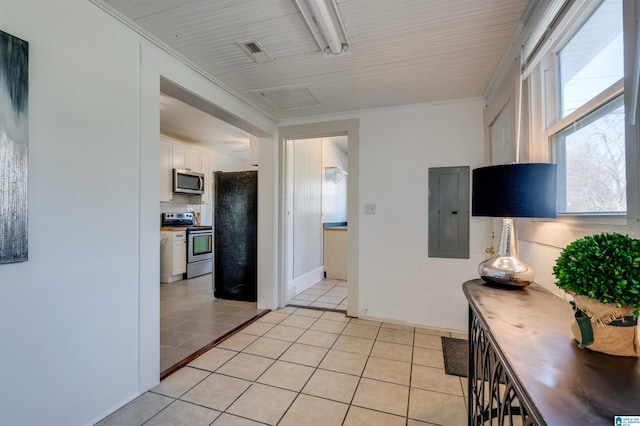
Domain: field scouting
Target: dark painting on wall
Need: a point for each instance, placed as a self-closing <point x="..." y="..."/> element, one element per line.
<point x="14" y="144"/>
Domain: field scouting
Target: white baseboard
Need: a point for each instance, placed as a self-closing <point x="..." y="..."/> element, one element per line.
<point x="304" y="282"/>
<point x="170" y="278"/>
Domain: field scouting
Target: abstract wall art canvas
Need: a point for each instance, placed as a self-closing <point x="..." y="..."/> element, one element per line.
<point x="14" y="144"/>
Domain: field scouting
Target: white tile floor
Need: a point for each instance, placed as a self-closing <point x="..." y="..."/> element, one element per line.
<point x="306" y="367"/>
<point x="326" y="294"/>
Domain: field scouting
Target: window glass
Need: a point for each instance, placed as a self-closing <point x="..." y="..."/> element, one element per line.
<point x="592" y="60"/>
<point x="591" y="162"/>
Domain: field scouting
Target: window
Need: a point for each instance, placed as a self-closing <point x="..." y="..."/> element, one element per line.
<point x="593" y="59"/>
<point x="591" y="162"/>
<point x="587" y="135"/>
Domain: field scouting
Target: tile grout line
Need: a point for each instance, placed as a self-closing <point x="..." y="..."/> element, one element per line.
<point x="362" y="373"/>
<point x="256" y="380"/>
<point x="318" y="368"/>
<point x="252" y="382"/>
<point x="311" y="375"/>
<point x="298" y="393"/>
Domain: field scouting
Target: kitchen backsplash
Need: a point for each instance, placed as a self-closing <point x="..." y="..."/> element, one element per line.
<point x="176" y="207"/>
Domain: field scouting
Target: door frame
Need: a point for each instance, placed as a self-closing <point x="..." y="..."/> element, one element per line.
<point x="350" y="128"/>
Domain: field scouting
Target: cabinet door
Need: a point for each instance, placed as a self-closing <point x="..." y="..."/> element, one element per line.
<point x="179" y="156"/>
<point x="166" y="255"/>
<point x="185" y="157"/>
<point x="179" y="256"/>
<point x="335" y="253"/>
<point x="166" y="171"/>
<point x="194" y="160"/>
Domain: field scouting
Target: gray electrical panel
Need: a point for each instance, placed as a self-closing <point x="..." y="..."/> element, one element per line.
<point x="449" y="212"/>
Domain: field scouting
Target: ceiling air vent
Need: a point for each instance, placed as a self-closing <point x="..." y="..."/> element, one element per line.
<point x="255" y="51"/>
<point x="253" y="47"/>
<point x="289" y="97"/>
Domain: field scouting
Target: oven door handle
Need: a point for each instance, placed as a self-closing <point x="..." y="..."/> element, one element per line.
<point x="201" y="232"/>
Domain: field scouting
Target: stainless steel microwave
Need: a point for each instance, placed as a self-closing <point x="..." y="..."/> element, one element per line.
<point x="188" y="182"/>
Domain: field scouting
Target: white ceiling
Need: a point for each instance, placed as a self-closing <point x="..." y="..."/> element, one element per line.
<point x="402" y="51"/>
<point x="182" y="121"/>
<point x="187" y="123"/>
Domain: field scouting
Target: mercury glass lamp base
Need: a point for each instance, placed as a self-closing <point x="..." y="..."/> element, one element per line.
<point x="506" y="271"/>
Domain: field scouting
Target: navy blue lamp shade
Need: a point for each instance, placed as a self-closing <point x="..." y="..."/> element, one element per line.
<point x="508" y="191"/>
<point x="515" y="190"/>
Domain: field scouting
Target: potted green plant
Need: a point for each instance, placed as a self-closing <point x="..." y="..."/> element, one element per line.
<point x="602" y="273"/>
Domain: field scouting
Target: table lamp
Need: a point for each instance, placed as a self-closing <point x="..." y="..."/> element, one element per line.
<point x="508" y="191"/>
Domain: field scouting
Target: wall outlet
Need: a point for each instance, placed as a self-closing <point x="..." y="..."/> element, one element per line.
<point x="369" y="209"/>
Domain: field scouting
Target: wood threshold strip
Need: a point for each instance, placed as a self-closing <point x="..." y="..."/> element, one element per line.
<point x="178" y="365"/>
<point x="317" y="308"/>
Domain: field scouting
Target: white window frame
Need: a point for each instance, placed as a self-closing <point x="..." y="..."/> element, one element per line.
<point x="542" y="73"/>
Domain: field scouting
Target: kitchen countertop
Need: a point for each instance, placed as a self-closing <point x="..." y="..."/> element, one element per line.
<point x="335" y="228"/>
<point x="172" y="228"/>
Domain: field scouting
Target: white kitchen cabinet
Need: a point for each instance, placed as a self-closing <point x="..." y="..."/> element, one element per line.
<point x="206" y="214"/>
<point x="179" y="156"/>
<point x="206" y="207"/>
<point x="173" y="255"/>
<point x="175" y="155"/>
<point x="207" y="169"/>
<point x="166" y="174"/>
<point x="335" y="252"/>
<point x="188" y="158"/>
<point x="194" y="160"/>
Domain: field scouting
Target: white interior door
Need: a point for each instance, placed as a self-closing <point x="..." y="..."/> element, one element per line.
<point x="304" y="213"/>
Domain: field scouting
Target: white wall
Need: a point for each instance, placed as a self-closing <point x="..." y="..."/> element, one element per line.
<point x="69" y="316"/>
<point x="79" y="322"/>
<point x="395" y="278"/>
<point x="398" y="281"/>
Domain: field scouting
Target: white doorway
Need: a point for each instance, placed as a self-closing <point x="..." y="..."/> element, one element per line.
<point x="350" y="130"/>
<point x="317" y="227"/>
<point x="201" y="137"/>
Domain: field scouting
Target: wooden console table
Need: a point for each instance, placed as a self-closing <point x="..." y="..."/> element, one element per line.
<point x="526" y="368"/>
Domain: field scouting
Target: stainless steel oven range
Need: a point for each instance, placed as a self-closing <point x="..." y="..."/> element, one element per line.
<point x="199" y="242"/>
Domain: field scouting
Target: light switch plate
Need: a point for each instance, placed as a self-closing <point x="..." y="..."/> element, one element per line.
<point x="370" y="209"/>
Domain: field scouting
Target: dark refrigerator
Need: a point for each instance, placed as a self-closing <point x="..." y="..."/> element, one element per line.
<point x="235" y="235"/>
